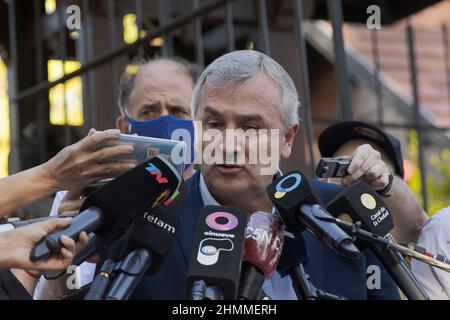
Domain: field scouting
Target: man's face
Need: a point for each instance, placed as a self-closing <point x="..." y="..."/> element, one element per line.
<point x="250" y="105"/>
<point x="161" y="89"/>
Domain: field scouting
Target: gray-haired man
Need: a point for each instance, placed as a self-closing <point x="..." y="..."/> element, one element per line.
<point x="248" y="90"/>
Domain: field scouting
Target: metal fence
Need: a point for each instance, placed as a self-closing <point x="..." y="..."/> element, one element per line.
<point x="36" y="95"/>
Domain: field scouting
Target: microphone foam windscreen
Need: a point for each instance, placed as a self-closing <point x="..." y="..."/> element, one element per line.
<point x="288" y="193"/>
<point x="121" y="200"/>
<point x="264" y="241"/>
<point x="155" y="231"/>
<point x="363" y="204"/>
<point x="218" y="249"/>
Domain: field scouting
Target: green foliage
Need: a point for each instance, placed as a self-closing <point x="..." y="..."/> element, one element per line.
<point x="438" y="182"/>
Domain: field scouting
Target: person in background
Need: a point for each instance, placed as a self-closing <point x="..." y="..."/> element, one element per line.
<point x="153" y="102"/>
<point x="376" y="160"/>
<point x="435" y="237"/>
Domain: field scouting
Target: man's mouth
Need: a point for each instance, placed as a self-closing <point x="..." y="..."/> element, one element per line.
<point x="229" y="168"/>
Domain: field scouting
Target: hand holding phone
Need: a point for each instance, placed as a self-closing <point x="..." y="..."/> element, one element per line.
<point x="333" y="167"/>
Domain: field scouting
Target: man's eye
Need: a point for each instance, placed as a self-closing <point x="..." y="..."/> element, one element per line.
<point x="147" y="115"/>
<point x="212" y="124"/>
<point x="179" y="112"/>
<point x="250" y="127"/>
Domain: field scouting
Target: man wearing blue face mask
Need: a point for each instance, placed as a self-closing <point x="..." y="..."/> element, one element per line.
<point x="154" y="101"/>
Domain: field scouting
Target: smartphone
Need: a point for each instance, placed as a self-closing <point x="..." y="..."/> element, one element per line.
<point x="174" y="151"/>
<point x="333" y="167"/>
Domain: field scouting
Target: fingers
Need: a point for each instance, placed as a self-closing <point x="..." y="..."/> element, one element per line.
<point x="68" y="207"/>
<point x="110" y="170"/>
<point x="66" y="254"/>
<point x="380" y="178"/>
<point x="359" y="158"/>
<point x="91" y="132"/>
<point x="364" y="158"/>
<point x="83" y="239"/>
<point x="98" y="137"/>
<point x="68" y="243"/>
<point x="54" y="224"/>
<point x="111" y="152"/>
<point x="375" y="172"/>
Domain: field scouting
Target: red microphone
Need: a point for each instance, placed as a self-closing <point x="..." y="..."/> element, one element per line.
<point x="264" y="240"/>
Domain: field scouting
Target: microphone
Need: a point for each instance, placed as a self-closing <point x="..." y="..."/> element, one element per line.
<point x="151" y="239"/>
<point x="264" y="239"/>
<point x="84" y="254"/>
<point x="362" y="203"/>
<point x="295" y="255"/>
<point x="14" y="223"/>
<point x="298" y="206"/>
<point x="110" y="210"/>
<point x="217" y="252"/>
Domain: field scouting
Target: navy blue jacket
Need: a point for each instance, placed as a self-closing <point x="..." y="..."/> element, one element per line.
<point x="328" y="271"/>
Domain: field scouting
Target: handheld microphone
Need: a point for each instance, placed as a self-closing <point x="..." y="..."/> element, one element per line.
<point x="84" y="254"/>
<point x="14" y="223"/>
<point x="362" y="203"/>
<point x="217" y="252"/>
<point x="263" y="246"/>
<point x="298" y="206"/>
<point x="110" y="210"/>
<point x="151" y="239"/>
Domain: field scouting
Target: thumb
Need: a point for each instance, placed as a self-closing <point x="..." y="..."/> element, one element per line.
<point x="52" y="225"/>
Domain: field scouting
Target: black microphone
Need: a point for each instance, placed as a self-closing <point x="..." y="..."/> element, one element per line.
<point x="217" y="252"/>
<point x="110" y="210"/>
<point x="294" y="253"/>
<point x="298" y="206"/>
<point x="151" y="239"/>
<point x="293" y="258"/>
<point x="263" y="246"/>
<point x="361" y="203"/>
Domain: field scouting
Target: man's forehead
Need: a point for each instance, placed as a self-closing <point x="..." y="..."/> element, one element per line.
<point x="260" y="95"/>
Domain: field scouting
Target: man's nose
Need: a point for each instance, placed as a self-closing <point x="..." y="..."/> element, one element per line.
<point x="232" y="142"/>
<point x="164" y="111"/>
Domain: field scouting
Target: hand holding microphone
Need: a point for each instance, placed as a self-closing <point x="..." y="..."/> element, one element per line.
<point x="15" y="246"/>
<point x="110" y="210"/>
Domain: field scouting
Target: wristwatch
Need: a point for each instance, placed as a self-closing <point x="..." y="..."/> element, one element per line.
<point x="385" y="191"/>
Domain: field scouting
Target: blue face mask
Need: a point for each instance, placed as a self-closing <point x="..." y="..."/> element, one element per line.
<point x="163" y="127"/>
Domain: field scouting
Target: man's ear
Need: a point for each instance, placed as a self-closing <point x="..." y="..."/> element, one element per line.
<point x="122" y="124"/>
<point x="288" y="141"/>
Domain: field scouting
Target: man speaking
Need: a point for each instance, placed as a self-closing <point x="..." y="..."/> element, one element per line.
<point x="247" y="91"/>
